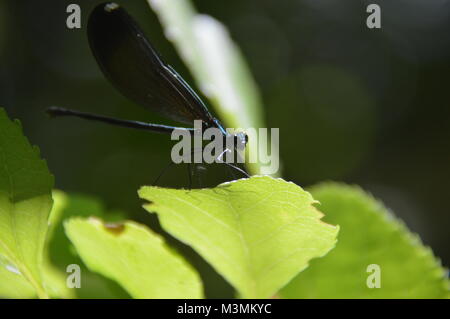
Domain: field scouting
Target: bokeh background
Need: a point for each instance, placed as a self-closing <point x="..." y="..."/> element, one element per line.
<point x="362" y="106"/>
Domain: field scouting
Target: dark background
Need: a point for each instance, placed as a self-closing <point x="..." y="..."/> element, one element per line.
<point x="369" y="107"/>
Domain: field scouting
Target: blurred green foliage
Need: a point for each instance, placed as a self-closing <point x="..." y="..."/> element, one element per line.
<point x="370" y="235"/>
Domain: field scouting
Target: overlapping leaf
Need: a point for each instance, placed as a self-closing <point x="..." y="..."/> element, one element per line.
<point x="258" y="233"/>
<point x="135" y="257"/>
<point x="369" y="235"/>
<point x="25" y="204"/>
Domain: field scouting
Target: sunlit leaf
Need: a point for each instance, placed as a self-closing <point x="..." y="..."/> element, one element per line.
<point x="258" y="233"/>
<point x="54" y="278"/>
<point x="369" y="235"/>
<point x="12" y="283"/>
<point x="135" y="257"/>
<point x="25" y="203"/>
<point x="63" y="253"/>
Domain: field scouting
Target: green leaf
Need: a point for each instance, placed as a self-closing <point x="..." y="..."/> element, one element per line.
<point x="15" y="285"/>
<point x="12" y="283"/>
<point x="258" y="233"/>
<point x="369" y="234"/>
<point x="25" y="203"/>
<point x="54" y="278"/>
<point x="75" y="205"/>
<point x="216" y="63"/>
<point x="135" y="257"/>
<point x="63" y="253"/>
